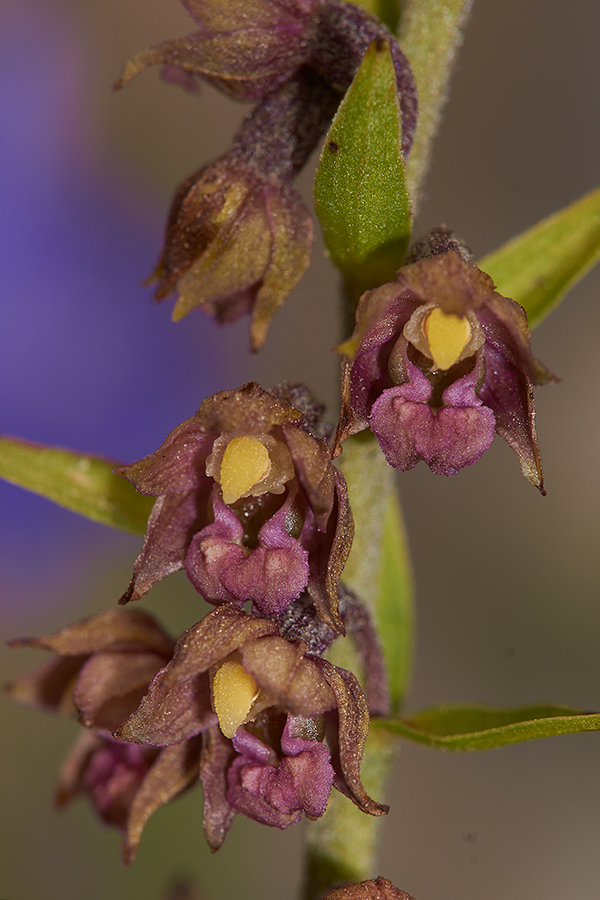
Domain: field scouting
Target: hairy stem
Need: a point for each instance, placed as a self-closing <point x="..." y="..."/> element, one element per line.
<point x="430" y="34"/>
<point x="341" y="847"/>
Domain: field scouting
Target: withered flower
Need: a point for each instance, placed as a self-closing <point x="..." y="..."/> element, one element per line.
<point x="236" y="244"/>
<point x="250" y="48"/>
<point x="438" y="362"/>
<point x="273" y="702"/>
<point x="249" y="503"/>
<point x="245" y="48"/>
<point x="102" y="670"/>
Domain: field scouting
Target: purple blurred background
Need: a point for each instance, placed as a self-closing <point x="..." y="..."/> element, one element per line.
<point x="507" y="581"/>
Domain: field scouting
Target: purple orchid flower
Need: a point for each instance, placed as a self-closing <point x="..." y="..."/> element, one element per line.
<point x="262" y="705"/>
<point x="438" y="363"/>
<point x="249" y="503"/>
<point x="102" y="670"/>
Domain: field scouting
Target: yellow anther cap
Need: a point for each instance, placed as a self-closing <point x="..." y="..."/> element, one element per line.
<point x="447" y="336"/>
<point x="245" y="462"/>
<point x="234" y="692"/>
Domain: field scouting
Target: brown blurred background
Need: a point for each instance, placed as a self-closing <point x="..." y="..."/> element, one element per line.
<point x="507" y="581"/>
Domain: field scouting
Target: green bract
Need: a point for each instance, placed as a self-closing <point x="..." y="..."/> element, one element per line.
<point x="360" y="191"/>
<point x="485" y="727"/>
<point x="538" y="267"/>
<point x="82" y="483"/>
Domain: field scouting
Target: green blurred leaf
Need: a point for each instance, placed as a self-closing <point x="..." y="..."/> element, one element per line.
<point x="84" y="484"/>
<point x="538" y="267"/>
<point x="394" y="603"/>
<point x="360" y="190"/>
<point x="484" y="727"/>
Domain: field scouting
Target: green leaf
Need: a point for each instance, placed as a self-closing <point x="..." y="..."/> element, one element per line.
<point x="360" y="190"/>
<point x="485" y="727"/>
<point x="82" y="483"/>
<point x="538" y="267"/>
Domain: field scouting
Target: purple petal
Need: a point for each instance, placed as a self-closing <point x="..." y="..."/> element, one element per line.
<point x="111" y="630"/>
<point x="217" y="755"/>
<point x="178" y="75"/>
<point x="177" y="466"/>
<point x="50" y="686"/>
<point x="286" y="674"/>
<point x="212" y="639"/>
<point x="174" y="771"/>
<point x="315" y="471"/>
<point x="381" y="316"/>
<point x="170" y="712"/>
<point x="111" y="685"/>
<point x="291" y="227"/>
<point x="408" y="430"/>
<point x="328" y="554"/>
<point x="171" y="524"/>
<point x="246" y="410"/>
<point x="348" y="735"/>
<point x="246" y="63"/>
<point x="509" y="393"/>
<point x="271" y="575"/>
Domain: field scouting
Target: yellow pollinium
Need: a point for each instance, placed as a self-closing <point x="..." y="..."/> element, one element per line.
<point x="234" y="692"/>
<point x="245" y="462"/>
<point x="447" y="336"/>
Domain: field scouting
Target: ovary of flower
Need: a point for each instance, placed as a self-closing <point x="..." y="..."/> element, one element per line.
<point x="246" y="461"/>
<point x="447" y="336"/>
<point x="234" y="692"/>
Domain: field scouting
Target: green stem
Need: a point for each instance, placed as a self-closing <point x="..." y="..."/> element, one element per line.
<point x="342" y="846"/>
<point x="430" y="34"/>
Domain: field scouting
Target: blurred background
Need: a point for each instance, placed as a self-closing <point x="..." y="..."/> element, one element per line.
<point x="507" y="581"/>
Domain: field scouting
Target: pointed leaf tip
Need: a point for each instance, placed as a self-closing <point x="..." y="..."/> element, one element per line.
<point x="538" y="267"/>
<point x="462" y="728"/>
